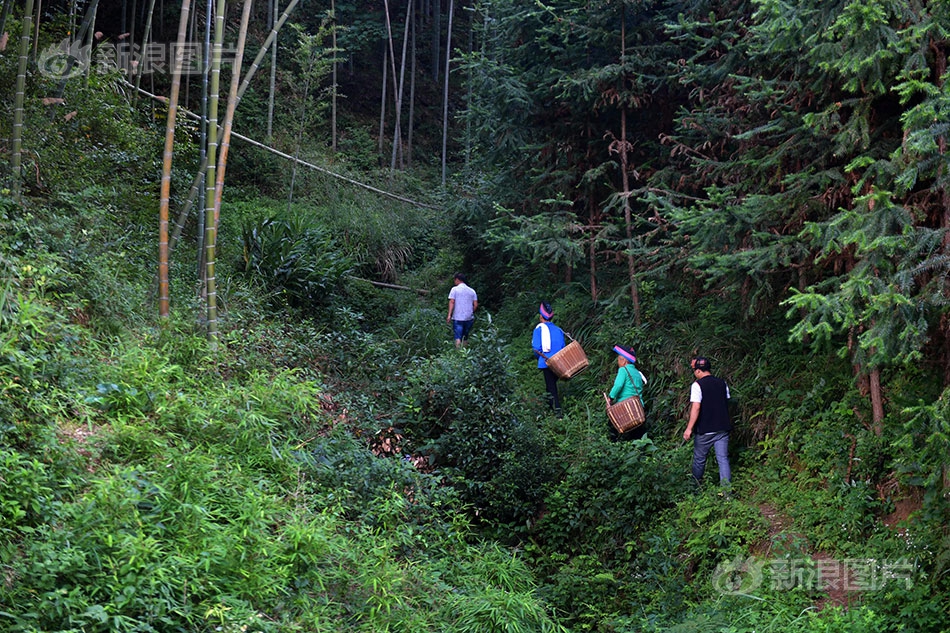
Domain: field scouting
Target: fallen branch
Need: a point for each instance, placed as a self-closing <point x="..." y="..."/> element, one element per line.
<point x="380" y="284"/>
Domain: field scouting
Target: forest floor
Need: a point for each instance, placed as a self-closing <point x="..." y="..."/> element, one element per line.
<point x="839" y="582"/>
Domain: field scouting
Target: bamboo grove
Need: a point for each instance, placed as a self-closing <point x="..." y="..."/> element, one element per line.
<point x="224" y="364"/>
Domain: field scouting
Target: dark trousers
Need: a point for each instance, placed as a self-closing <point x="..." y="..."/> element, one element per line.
<point x="702" y="443"/>
<point x="550" y="383"/>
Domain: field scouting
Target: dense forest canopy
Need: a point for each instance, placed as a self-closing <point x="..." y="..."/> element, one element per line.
<point x="228" y="396"/>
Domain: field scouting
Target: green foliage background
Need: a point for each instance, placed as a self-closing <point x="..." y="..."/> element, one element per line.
<point x="336" y="464"/>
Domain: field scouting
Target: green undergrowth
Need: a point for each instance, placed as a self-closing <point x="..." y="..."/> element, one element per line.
<point x="147" y="495"/>
<point x="335" y="464"/>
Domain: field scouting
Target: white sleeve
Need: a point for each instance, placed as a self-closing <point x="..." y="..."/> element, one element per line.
<point x="695" y="393"/>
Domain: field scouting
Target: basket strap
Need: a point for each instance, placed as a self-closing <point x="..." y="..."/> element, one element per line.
<point x="568" y="335"/>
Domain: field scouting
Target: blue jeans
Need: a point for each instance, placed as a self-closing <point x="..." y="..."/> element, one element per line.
<point x="461" y="329"/>
<point x="701" y="445"/>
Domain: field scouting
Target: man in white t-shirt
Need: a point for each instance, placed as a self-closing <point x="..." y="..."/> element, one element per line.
<point x="709" y="421"/>
<point x="462" y="305"/>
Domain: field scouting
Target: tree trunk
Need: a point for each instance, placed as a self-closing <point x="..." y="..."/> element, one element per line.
<point x="412" y="86"/>
<point x="436" y="37"/>
<point x="36" y="27"/>
<point x="90" y="36"/>
<point x="210" y="176"/>
<point x="135" y="10"/>
<point x="625" y="176"/>
<point x="877" y="402"/>
<point x="593" y="222"/>
<point x="165" y="193"/>
<point x="16" y="138"/>
<point x="273" y="80"/>
<point x="445" y="95"/>
<point x="397" y="135"/>
<point x="333" y="94"/>
<point x="469" y="96"/>
<point x="382" y="106"/>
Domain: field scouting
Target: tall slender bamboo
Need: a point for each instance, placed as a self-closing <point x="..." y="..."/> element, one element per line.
<point x="165" y="190"/>
<point x="36" y="25"/>
<point x="397" y="135"/>
<point x="4" y="15"/>
<point x="71" y="24"/>
<point x="16" y="139"/>
<point x="186" y="208"/>
<point x="270" y="41"/>
<point x="203" y="131"/>
<point x="392" y="62"/>
<point x="412" y="86"/>
<point x="229" y="112"/>
<point x="445" y="93"/>
<point x="90" y="36"/>
<point x="311" y="60"/>
<point x="191" y="38"/>
<point x="183" y="215"/>
<point x="211" y="297"/>
<point x="436" y="35"/>
<point x="625" y="176"/>
<point x="140" y="68"/>
<point x="86" y="27"/>
<point x="133" y="23"/>
<point x="273" y="78"/>
<point x="336" y="63"/>
<point x="382" y="105"/>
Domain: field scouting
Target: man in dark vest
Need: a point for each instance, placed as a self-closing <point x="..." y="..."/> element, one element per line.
<point x="709" y="422"/>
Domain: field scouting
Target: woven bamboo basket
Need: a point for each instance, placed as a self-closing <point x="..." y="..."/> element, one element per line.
<point x="569" y="361"/>
<point x="627" y="414"/>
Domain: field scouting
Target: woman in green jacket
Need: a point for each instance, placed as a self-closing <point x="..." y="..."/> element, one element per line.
<point x="628" y="383"/>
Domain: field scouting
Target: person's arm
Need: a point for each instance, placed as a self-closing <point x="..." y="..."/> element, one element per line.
<point x="448" y="318"/>
<point x="617" y="389"/>
<point x="693" y="416"/>
<point x="536" y="341"/>
<point x="474" y="306"/>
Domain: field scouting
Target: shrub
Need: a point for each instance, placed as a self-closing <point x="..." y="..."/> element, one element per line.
<point x="295" y="260"/>
<point x="458" y="409"/>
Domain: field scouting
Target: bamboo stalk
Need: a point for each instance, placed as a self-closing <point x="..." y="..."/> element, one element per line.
<point x="165" y="191"/>
<point x="229" y="112"/>
<point x="445" y="95"/>
<point x="16" y="140"/>
<point x="145" y="44"/>
<point x="211" y="297"/>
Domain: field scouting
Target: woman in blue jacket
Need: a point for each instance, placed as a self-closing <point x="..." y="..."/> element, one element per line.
<point x="547" y="340"/>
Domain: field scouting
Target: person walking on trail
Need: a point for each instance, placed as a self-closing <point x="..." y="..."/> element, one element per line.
<point x="709" y="423"/>
<point x="547" y="340"/>
<point x="628" y="383"/>
<point x="462" y="305"/>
